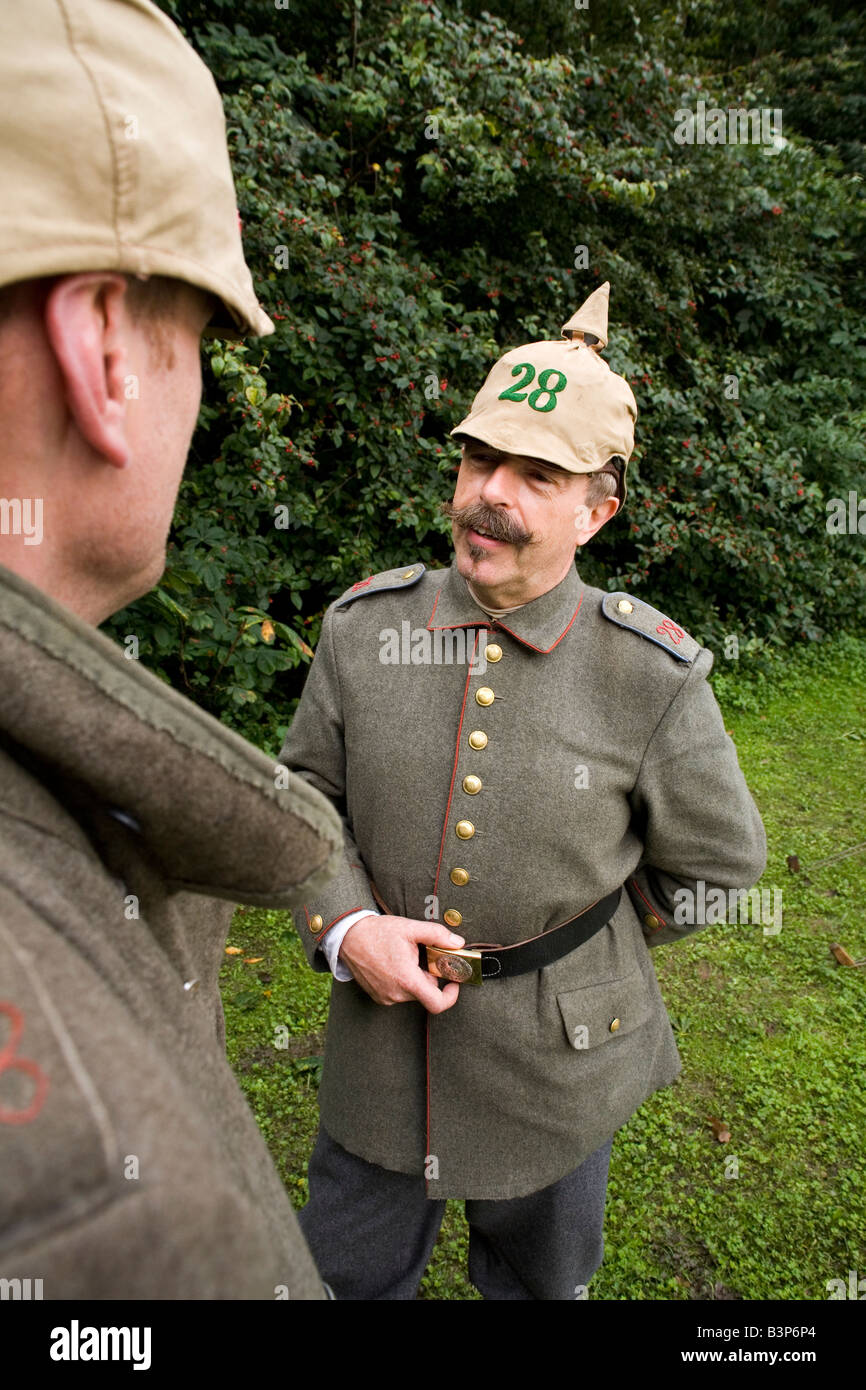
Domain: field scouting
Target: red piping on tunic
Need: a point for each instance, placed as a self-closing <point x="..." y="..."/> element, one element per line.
<point x="454" y="769"/>
<point x="427" y="1146"/>
<point x="439" y="869"/>
<point x="326" y="929"/>
<point x="543" y="650"/>
<point x="443" y="626"/>
<point x="652" y="909"/>
<point x="497" y="622"/>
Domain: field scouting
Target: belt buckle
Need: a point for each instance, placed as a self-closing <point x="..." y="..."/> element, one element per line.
<point x="460" y="965"/>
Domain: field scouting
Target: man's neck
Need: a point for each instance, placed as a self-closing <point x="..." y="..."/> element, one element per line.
<point x="492" y="612"/>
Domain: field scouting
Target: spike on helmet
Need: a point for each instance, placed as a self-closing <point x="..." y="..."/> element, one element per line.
<point x="589" y="324"/>
<point x="558" y="400"/>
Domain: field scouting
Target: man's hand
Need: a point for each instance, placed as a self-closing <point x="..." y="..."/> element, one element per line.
<point x="382" y="954"/>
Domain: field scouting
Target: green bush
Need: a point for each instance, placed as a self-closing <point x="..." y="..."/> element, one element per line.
<point x="415" y="182"/>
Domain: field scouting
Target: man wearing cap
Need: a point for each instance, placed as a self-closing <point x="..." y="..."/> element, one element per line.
<point x="131" y="1164"/>
<point x="545" y="794"/>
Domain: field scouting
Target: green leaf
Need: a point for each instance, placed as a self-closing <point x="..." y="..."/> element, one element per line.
<point x="247" y="999"/>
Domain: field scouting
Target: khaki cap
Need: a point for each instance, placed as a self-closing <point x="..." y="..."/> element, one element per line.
<point x="113" y="153"/>
<point x="559" y="401"/>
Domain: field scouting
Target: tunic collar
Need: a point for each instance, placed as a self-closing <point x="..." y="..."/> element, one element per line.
<point x="540" y="624"/>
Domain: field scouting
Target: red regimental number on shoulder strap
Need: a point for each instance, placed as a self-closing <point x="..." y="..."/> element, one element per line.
<point x="10" y="1061"/>
<point x="668" y="628"/>
<point x="362" y="584"/>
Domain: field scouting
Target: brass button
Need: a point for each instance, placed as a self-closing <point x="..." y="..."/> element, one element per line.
<point x="484" y="695"/>
<point x="316" y="922"/>
<point x="452" y="917"/>
<point x="464" y="829"/>
<point x="477" y="739"/>
<point x="650" y="920"/>
<point x="459" y="876"/>
<point x="624" y="606"/>
<point x="615" y="1023"/>
<point x="493" y="652"/>
<point x="407" y="575"/>
<point x="472" y="785"/>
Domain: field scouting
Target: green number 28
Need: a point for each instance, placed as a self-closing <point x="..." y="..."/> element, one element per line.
<point x="550" y="383"/>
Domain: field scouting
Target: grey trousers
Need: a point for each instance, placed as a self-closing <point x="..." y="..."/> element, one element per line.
<point x="371" y="1231"/>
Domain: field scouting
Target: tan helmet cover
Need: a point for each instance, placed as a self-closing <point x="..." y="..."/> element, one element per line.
<point x="558" y="401"/>
<point x="113" y="153"/>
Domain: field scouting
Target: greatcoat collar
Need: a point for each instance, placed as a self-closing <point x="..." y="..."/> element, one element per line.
<point x="540" y="624"/>
<point x="100" y="733"/>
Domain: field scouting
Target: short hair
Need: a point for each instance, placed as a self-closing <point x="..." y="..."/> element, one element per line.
<point x="149" y="297"/>
<point x="600" y="487"/>
<point x="151" y="302"/>
<point x="153" y="297"/>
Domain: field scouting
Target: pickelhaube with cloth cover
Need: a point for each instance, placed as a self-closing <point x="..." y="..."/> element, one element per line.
<point x="102" y="164"/>
<point x="559" y="401"/>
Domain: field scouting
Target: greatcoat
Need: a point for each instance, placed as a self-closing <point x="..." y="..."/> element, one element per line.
<point x="130" y="1164"/>
<point x="566" y="749"/>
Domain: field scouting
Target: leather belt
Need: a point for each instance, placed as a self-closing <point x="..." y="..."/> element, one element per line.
<point x="471" y="965"/>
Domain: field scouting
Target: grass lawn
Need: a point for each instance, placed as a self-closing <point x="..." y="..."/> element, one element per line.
<point x="769" y="1026"/>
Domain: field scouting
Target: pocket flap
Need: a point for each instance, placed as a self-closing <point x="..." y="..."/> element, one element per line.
<point x="600" y="1013"/>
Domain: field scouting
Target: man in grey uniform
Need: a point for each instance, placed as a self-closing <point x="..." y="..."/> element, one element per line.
<point x="546" y="786"/>
<point x="130" y="1164"/>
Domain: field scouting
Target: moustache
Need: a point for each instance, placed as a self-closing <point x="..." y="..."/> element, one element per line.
<point x="480" y="517"/>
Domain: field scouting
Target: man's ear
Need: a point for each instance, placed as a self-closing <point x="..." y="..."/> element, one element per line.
<point x="83" y="321"/>
<point x="595" y="519"/>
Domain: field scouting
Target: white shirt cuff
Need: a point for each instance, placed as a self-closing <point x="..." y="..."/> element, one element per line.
<point x="333" y="939"/>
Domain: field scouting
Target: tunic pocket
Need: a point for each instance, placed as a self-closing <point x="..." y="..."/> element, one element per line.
<point x="601" y="1013"/>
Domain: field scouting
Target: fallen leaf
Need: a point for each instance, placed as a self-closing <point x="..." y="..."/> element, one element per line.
<point x="233" y="951"/>
<point x="720" y="1130"/>
<point x="252" y="960"/>
<point x="843" y="957"/>
<point x="266" y="993"/>
<point x="841" y="954"/>
<point x="793" y="864"/>
<point x="268" y="632"/>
